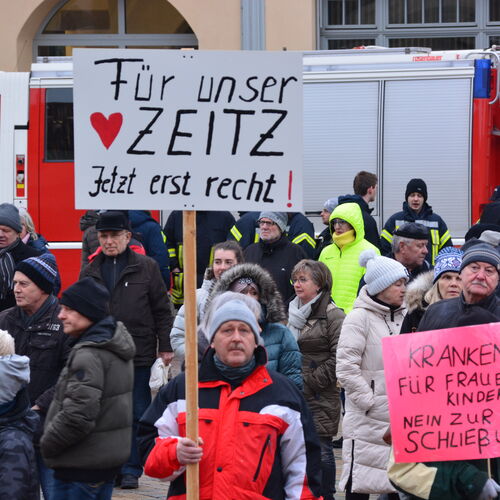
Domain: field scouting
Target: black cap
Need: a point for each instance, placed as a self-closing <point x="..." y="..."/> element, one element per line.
<point x="112" y="220"/>
<point x="87" y="297"/>
<point x="412" y="230"/>
<point x="416" y="186"/>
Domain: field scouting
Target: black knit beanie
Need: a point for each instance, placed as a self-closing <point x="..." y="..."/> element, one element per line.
<point x="416" y="186"/>
<point x="87" y="297"/>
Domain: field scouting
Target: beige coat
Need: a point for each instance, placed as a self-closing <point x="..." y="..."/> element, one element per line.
<point x="360" y="371"/>
<point x="318" y="345"/>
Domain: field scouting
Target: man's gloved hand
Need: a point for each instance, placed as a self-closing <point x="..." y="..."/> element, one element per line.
<point x="491" y="490"/>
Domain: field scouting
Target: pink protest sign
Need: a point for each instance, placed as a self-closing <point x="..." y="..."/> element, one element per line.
<point x="444" y="393"/>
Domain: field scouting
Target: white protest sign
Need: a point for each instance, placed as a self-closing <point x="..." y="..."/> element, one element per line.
<point x="188" y="130"/>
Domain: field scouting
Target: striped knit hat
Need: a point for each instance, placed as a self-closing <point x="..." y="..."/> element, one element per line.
<point x="42" y="270"/>
<point x="479" y="251"/>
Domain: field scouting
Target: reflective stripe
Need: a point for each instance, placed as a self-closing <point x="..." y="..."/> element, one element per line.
<point x="211" y="258"/>
<point x="236" y="233"/>
<point x="180" y="256"/>
<point x="164" y="237"/>
<point x="177" y="292"/>
<point x="435" y="244"/>
<point x="172" y="253"/>
<point x="256" y="237"/>
<point x="386" y="235"/>
<point x="446" y="236"/>
<point x="424" y="222"/>
<point x="304" y="237"/>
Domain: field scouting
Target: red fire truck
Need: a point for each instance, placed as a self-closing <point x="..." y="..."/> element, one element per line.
<point x="400" y="113"/>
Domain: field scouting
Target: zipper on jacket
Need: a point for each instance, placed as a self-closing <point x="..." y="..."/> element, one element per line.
<point x="261" y="458"/>
<point x="114" y="272"/>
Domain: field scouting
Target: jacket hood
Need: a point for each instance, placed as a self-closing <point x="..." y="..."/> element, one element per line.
<point x="111" y="335"/>
<point x="14" y="375"/>
<point x="88" y="219"/>
<point x="355" y="198"/>
<point x="137" y="217"/>
<point x="270" y="298"/>
<point x="424" y="213"/>
<point x="414" y="296"/>
<point x="364" y="301"/>
<point x="350" y="212"/>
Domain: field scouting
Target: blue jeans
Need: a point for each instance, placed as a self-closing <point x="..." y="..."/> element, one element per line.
<point x="73" y="490"/>
<point x="45" y="476"/>
<point x="327" y="468"/>
<point x="141" y="401"/>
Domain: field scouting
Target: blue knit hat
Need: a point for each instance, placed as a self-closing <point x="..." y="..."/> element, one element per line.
<point x="449" y="259"/>
<point x="42" y="270"/>
<point x="234" y="310"/>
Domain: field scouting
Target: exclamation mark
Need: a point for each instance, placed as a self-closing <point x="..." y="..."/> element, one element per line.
<point x="290" y="180"/>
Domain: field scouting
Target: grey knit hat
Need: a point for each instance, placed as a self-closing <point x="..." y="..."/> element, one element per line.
<point x="381" y="272"/>
<point x="234" y="310"/>
<point x="331" y="204"/>
<point x="9" y="216"/>
<point x="279" y="218"/>
<point x="480" y="251"/>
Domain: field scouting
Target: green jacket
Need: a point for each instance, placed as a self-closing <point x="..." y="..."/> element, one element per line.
<point x="454" y="480"/>
<point x="343" y="263"/>
<point x="89" y="423"/>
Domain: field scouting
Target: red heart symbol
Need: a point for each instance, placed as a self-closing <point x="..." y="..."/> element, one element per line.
<point x="107" y="128"/>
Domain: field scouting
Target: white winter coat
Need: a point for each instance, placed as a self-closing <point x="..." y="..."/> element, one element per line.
<point x="360" y="371"/>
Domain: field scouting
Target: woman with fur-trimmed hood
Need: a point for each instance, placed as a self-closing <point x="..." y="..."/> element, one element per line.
<point x="443" y="282"/>
<point x="283" y="353"/>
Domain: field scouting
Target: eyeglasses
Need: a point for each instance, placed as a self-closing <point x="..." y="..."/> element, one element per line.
<point x="266" y="223"/>
<point x="340" y="222"/>
<point x="301" y="280"/>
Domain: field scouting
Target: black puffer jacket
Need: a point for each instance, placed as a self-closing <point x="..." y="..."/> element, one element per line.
<point x="45" y="343"/>
<point x="444" y="314"/>
<point x="88" y="428"/>
<point x="140" y="300"/>
<point x="279" y="259"/>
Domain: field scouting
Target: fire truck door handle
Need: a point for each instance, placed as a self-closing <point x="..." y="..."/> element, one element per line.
<point x="497" y="58"/>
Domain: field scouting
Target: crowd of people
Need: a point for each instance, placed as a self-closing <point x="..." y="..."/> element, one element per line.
<point x="289" y="326"/>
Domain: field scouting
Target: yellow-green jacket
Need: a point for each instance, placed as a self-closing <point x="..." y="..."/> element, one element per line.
<point x="343" y="263"/>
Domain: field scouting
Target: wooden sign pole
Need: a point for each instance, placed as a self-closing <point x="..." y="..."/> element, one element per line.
<point x="189" y="246"/>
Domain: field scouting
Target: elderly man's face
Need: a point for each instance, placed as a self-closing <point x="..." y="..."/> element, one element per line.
<point x="29" y="297"/>
<point x="269" y="230"/>
<point x="234" y="343"/>
<point x="413" y="253"/>
<point x="113" y="243"/>
<point x="7" y="236"/>
<point x="479" y="280"/>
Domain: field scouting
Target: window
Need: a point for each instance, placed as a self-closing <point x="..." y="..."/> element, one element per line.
<point x="59" y="145"/>
<point x="443" y="43"/>
<point x="351" y="12"/>
<point x="113" y="23"/>
<point x="438" y="24"/>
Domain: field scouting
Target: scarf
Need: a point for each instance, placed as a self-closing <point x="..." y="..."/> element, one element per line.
<point x="341" y="240"/>
<point x="33" y="319"/>
<point x="298" y="314"/>
<point x="7" y="266"/>
<point x="233" y="373"/>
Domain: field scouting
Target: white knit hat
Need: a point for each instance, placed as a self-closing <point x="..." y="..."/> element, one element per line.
<point x="381" y="272"/>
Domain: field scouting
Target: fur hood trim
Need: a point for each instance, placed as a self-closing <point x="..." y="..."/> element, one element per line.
<point x="269" y="295"/>
<point x="415" y="291"/>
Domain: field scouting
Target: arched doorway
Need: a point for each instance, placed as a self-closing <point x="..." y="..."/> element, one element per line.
<point x="112" y="24"/>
